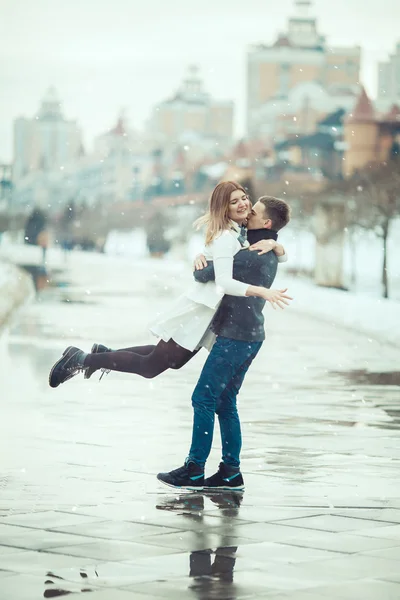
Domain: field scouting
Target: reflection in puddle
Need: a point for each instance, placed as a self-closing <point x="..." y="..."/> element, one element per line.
<point x="212" y="573"/>
<point x="211" y="570"/>
<point x="54" y="588"/>
<point x="193" y="503"/>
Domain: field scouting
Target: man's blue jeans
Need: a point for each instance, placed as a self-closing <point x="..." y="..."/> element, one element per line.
<point x="216" y="392"/>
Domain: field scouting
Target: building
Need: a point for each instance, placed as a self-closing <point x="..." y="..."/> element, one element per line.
<point x="370" y="136"/>
<point x="298" y="58"/>
<point x="192" y="113"/>
<point x="6" y="185"/>
<point x="318" y="154"/>
<point x="45" y="142"/>
<point x="300" y="112"/>
<point x="341" y="143"/>
<point x="389" y="80"/>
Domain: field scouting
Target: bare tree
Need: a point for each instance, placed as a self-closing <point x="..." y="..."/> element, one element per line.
<point x="376" y="191"/>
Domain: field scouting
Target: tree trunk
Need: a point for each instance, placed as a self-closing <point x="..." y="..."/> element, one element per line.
<point x="353" y="257"/>
<point x="385" y="282"/>
<point x="329" y="230"/>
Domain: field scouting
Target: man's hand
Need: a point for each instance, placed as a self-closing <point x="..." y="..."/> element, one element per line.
<point x="199" y="262"/>
<point x="263" y="246"/>
<point x="277" y="297"/>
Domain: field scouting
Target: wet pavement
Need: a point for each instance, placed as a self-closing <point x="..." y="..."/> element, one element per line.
<point x="81" y="511"/>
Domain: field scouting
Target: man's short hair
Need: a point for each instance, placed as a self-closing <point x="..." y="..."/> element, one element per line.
<point x="277" y="210"/>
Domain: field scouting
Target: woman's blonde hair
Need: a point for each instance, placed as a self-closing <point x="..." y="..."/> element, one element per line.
<point x="216" y="218"/>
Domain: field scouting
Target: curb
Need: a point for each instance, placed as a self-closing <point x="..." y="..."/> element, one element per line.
<point x="16" y="290"/>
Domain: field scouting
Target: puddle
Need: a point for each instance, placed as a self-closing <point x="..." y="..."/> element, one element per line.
<point x="364" y="377"/>
<point x="390" y="404"/>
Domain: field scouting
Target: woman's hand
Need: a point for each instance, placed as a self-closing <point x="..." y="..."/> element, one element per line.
<point x="199" y="262"/>
<point x="263" y="246"/>
<point x="277" y="297"/>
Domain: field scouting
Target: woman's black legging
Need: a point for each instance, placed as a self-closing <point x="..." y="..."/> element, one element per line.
<point x="147" y="361"/>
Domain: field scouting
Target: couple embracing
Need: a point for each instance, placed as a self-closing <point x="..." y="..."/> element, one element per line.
<point x="222" y="312"/>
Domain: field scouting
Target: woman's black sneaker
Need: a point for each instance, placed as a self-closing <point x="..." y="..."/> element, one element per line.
<point x="190" y="477"/>
<point x="96" y="349"/>
<point x="226" y="478"/>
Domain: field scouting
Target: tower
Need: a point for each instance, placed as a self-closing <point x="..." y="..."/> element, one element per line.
<point x="50" y="109"/>
<point x="361" y="134"/>
<point x="302" y="30"/>
<point x="192" y="85"/>
<point x="47" y="141"/>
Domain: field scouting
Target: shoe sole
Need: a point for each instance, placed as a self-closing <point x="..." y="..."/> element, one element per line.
<point x="183" y="487"/>
<point x="225" y="488"/>
<point x="92" y="351"/>
<point x="56" y="365"/>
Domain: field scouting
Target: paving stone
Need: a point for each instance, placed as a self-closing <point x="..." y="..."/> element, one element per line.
<point x="333" y="523"/>
<point x="33" y="562"/>
<point x="14" y="536"/>
<point x="387" y="532"/>
<point x="9" y="550"/>
<point x="194" y="588"/>
<point x="352" y="567"/>
<point x="262" y="553"/>
<point x="115" y="550"/>
<point x="116" y="530"/>
<point x="392" y="553"/>
<point x="389" y="515"/>
<point x="28" y="587"/>
<point x="46" y="519"/>
<point x="193" y="540"/>
<point x="367" y="589"/>
<point x="115" y="595"/>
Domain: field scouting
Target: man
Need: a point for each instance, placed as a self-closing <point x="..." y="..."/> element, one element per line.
<point x="239" y="326"/>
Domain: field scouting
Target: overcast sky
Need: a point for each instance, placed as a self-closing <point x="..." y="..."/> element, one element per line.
<point x="107" y="55"/>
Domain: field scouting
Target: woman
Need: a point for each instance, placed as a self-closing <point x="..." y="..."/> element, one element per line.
<point x="185" y="328"/>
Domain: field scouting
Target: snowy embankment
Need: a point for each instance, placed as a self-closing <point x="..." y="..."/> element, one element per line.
<point x="16" y="288"/>
<point x="376" y="317"/>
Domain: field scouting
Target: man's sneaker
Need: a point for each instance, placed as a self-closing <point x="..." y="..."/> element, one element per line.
<point x="227" y="478"/>
<point x="190" y="477"/>
<point x="67" y="366"/>
<point x="96" y="349"/>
